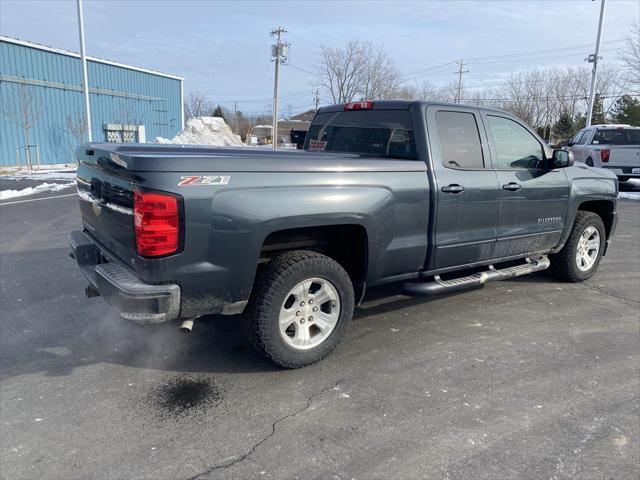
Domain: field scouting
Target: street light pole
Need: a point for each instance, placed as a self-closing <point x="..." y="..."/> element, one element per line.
<point x="594" y="59"/>
<point x="85" y="81"/>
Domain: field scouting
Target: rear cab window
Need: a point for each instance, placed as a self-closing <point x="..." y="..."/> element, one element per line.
<point x="617" y="136"/>
<point x="383" y="133"/>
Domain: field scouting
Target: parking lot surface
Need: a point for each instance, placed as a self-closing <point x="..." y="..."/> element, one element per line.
<point x="524" y="379"/>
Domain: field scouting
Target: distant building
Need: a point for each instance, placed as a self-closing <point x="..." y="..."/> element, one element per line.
<point x="297" y="122"/>
<point x="43" y="86"/>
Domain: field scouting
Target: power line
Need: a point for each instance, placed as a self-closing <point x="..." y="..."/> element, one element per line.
<point x="508" y="57"/>
<point x="537" y="58"/>
<point x="263" y="99"/>
<point x="555" y="97"/>
<point x="540" y="52"/>
<point x="302" y="70"/>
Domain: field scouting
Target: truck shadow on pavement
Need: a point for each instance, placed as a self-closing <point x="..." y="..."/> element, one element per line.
<point x="57" y="333"/>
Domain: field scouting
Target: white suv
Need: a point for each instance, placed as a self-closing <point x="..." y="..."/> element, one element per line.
<point x="614" y="147"/>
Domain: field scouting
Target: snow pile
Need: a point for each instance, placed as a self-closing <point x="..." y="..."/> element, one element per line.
<point x="634" y="186"/>
<point x="205" y="131"/>
<point x="43" y="187"/>
<point x="43" y="174"/>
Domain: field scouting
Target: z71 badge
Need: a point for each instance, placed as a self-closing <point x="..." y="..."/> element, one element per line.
<point x="196" y="180"/>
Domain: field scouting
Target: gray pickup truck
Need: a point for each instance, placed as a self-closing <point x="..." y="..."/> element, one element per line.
<point x="613" y="147"/>
<point x="439" y="197"/>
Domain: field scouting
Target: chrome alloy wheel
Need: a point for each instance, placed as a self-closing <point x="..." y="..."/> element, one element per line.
<point x="309" y="313"/>
<point x="588" y="248"/>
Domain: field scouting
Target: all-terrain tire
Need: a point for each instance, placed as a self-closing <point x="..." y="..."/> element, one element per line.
<point x="271" y="289"/>
<point x="565" y="264"/>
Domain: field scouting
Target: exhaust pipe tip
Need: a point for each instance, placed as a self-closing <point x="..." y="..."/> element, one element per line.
<point x="187" y="325"/>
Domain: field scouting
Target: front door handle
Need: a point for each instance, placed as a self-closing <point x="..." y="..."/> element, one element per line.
<point x="512" y="186"/>
<point x="453" y="188"/>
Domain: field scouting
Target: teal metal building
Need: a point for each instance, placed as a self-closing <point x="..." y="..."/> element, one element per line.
<point x="42" y="109"/>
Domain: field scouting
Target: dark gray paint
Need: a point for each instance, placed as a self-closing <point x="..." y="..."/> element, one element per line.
<point x="411" y="226"/>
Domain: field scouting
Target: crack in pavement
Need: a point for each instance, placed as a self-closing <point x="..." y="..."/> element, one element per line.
<point x="601" y="290"/>
<point x="274" y="426"/>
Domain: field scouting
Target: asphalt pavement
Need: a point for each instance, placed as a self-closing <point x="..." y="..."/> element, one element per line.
<point x="525" y="379"/>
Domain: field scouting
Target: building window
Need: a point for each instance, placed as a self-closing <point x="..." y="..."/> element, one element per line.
<point x="116" y="133"/>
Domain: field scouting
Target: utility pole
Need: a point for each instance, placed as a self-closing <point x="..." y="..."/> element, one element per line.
<point x="594" y="59"/>
<point x="317" y="98"/>
<point x="235" y="117"/>
<point x="279" y="53"/>
<point x="460" y="72"/>
<point x="85" y="81"/>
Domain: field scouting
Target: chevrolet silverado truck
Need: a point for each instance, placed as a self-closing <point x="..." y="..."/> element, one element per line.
<point x="436" y="196"/>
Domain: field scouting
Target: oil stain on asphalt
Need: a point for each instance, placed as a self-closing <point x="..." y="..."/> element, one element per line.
<point x="186" y="395"/>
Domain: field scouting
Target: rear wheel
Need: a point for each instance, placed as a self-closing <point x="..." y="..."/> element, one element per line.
<point x="589" y="162"/>
<point x="579" y="258"/>
<point x="300" y="307"/>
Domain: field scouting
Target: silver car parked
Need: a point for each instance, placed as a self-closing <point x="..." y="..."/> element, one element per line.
<point x="614" y="147"/>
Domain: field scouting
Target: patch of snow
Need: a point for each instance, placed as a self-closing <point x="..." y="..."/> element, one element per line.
<point x="66" y="174"/>
<point x="211" y="131"/>
<point x="43" y="187"/>
<point x="629" y="195"/>
<point x="41" y="168"/>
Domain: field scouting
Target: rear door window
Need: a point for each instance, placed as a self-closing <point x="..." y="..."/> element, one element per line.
<point x="618" y="136"/>
<point x="384" y="133"/>
<point x="459" y="140"/>
<point x="580" y="137"/>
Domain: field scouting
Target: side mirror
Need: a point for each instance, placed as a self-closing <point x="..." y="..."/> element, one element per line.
<point x="562" y="158"/>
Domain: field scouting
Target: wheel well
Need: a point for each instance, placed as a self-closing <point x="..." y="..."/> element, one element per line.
<point x="346" y="244"/>
<point x="604" y="209"/>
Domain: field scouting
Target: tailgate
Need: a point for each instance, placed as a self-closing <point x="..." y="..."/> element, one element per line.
<point x="105" y="193"/>
<point x="626" y="156"/>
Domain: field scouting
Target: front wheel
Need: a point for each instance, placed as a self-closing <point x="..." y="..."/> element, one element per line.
<point x="300" y="307"/>
<point x="579" y="258"/>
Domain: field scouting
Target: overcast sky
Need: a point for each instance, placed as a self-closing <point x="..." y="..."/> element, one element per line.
<point x="222" y="48"/>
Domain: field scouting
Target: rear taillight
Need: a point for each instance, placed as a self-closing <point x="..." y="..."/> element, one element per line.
<point x="364" y="105"/>
<point x="157" y="223"/>
<point x="604" y="156"/>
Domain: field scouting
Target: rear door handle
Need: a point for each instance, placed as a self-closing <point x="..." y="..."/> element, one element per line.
<point x="453" y="188"/>
<point x="513" y="186"/>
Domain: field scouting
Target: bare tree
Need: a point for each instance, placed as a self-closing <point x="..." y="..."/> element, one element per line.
<point x="359" y="70"/>
<point x="631" y="57"/>
<point x="77" y="128"/>
<point x="196" y="105"/>
<point x="24" y="109"/>
<point x="342" y="71"/>
<point x="381" y="78"/>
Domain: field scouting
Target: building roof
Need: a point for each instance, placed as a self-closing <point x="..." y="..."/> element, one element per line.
<point x="304" y="116"/>
<point x="68" y="53"/>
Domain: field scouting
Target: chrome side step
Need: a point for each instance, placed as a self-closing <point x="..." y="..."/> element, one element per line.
<point x="438" y="286"/>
